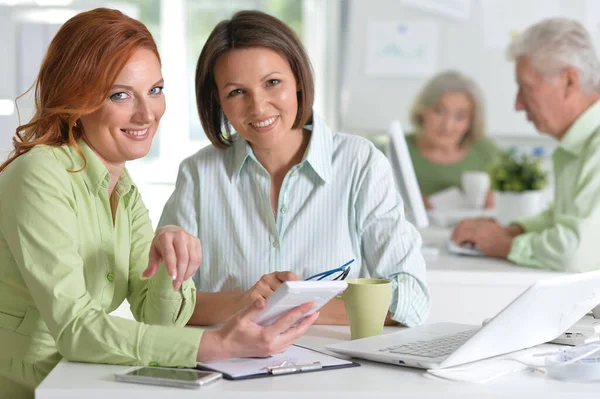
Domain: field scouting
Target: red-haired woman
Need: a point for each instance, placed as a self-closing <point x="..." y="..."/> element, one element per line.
<point x="75" y="237"/>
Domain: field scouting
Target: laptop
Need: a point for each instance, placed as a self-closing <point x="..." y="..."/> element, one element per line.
<point x="540" y="314"/>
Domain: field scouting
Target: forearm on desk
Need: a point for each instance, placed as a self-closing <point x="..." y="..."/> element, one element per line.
<point x="216" y="307"/>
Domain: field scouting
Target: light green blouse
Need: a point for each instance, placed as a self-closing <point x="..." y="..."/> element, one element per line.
<point x="64" y="266"/>
<point x="434" y="177"/>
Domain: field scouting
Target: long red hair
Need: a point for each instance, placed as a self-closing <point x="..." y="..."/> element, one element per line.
<point x="79" y="69"/>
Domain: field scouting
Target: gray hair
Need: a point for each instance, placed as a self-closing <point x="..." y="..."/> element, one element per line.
<point x="555" y="44"/>
<point x="451" y="82"/>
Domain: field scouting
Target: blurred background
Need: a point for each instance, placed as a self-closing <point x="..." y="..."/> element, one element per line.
<point x="369" y="57"/>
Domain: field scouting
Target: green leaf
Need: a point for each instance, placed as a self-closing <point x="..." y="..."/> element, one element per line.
<point x="517" y="173"/>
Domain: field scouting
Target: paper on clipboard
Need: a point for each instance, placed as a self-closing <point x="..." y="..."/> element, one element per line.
<point x="254" y="367"/>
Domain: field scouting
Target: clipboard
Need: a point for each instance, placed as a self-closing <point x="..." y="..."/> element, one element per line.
<point x="296" y="360"/>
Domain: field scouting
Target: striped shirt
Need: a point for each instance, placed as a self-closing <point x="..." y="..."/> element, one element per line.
<point x="339" y="203"/>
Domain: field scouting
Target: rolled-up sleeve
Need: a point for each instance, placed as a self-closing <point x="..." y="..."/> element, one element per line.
<point x="552" y="248"/>
<point x="391" y="246"/>
<point x="565" y="238"/>
<point x="537" y="222"/>
<point x="39" y="222"/>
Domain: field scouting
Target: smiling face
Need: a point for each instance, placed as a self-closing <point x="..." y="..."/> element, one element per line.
<point x="258" y="93"/>
<point x="123" y="128"/>
<point x="541" y="98"/>
<point x="447" y="121"/>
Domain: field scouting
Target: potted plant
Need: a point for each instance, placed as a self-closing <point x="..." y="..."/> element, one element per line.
<point x="517" y="182"/>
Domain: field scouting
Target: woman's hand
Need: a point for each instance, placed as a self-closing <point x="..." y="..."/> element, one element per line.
<point x="181" y="252"/>
<point x="241" y="337"/>
<point x="266" y="286"/>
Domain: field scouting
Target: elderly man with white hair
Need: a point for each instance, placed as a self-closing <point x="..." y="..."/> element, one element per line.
<point x="558" y="73"/>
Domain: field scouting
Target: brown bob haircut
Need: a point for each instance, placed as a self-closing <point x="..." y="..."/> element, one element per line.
<point x="244" y="30"/>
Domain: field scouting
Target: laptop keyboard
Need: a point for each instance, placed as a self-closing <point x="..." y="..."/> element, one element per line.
<point x="433" y="348"/>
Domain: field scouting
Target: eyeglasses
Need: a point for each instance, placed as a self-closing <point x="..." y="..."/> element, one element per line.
<point x="343" y="271"/>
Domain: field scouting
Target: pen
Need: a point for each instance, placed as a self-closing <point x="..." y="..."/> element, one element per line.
<point x="295" y="368"/>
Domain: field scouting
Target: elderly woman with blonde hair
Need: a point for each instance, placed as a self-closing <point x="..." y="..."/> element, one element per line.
<point x="448" y="114"/>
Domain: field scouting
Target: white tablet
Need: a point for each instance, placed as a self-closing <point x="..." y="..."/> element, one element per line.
<point x="294" y="293"/>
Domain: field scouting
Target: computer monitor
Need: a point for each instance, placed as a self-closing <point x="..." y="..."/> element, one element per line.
<point x="406" y="179"/>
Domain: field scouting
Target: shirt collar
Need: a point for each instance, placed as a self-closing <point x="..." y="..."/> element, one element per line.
<point x="318" y="155"/>
<point x="95" y="174"/>
<point x="241" y="152"/>
<point x="584" y="126"/>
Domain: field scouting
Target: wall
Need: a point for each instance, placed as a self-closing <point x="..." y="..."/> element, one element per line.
<point x="370" y="102"/>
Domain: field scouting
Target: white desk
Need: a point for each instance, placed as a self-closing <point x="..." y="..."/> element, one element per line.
<point x="466" y="289"/>
<point x="371" y="380"/>
<point x="463" y="289"/>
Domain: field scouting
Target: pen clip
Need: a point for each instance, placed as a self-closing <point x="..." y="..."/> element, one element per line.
<point x="294" y="368"/>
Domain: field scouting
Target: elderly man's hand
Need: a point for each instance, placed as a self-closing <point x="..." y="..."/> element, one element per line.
<point x="490" y="236"/>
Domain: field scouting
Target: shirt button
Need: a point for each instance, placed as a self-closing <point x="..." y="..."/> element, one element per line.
<point x="276" y="244"/>
<point x="110" y="276"/>
<point x="153" y="364"/>
<point x="283" y="209"/>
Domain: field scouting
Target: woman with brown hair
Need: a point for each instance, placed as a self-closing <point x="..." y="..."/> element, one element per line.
<point x="284" y="197"/>
<point x="75" y="236"/>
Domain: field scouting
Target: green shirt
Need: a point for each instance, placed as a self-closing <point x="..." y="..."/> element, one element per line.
<point x="434" y="177"/>
<point x="565" y="237"/>
<point x="64" y="266"/>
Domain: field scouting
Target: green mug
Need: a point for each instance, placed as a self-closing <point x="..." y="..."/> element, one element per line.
<point x="367" y="301"/>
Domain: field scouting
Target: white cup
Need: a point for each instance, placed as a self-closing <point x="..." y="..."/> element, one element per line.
<point x="476" y="186"/>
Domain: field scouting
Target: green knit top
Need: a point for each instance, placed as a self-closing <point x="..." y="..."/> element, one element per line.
<point x="434" y="177"/>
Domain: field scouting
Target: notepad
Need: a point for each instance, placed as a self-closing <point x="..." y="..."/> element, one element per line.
<point x="296" y="359"/>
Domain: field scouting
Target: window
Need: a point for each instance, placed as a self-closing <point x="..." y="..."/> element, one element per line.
<point x="180" y="28"/>
<point x="202" y="16"/>
<point x="184" y="28"/>
<point x="180" y="43"/>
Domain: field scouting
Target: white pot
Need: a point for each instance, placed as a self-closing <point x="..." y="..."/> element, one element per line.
<point x="511" y="205"/>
